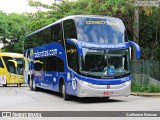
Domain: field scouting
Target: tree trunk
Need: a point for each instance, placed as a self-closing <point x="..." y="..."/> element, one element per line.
<point x="136" y="30"/>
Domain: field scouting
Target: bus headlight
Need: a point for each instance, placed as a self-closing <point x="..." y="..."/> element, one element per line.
<point x="84" y="83"/>
<point x="127" y="83"/>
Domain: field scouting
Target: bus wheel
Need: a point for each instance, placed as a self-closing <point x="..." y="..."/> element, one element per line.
<point x="5" y="85"/>
<point x="19" y="85"/>
<point x="106" y="98"/>
<point x="65" y="95"/>
<point x="33" y="85"/>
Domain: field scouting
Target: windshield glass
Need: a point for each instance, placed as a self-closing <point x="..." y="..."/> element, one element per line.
<point x="20" y="62"/>
<point x="104" y="63"/>
<point x="100" y="30"/>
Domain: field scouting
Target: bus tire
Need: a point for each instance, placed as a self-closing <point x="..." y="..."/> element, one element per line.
<point x="106" y="98"/>
<point x="28" y="80"/>
<point x="32" y="85"/>
<point x="19" y="85"/>
<point x="64" y="94"/>
<point x="5" y="85"/>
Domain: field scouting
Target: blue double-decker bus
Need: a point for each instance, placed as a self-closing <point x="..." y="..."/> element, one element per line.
<point x="80" y="55"/>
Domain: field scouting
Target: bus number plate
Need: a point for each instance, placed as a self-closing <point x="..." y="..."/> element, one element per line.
<point x="108" y="93"/>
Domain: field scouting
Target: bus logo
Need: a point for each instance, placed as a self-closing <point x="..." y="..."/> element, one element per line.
<point x="108" y="86"/>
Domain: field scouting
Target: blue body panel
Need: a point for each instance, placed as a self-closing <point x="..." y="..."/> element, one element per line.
<point x="138" y="50"/>
<point x="50" y="80"/>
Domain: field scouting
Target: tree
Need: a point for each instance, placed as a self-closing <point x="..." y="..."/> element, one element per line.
<point x="150" y="33"/>
<point x="3" y="27"/>
<point x="12" y="31"/>
<point x="14" y="27"/>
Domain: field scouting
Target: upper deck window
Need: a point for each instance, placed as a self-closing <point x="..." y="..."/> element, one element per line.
<point x="69" y="29"/>
<point x="100" y="30"/>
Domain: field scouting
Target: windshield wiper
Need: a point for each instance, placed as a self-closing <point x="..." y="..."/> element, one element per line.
<point x="120" y="75"/>
<point x="97" y="68"/>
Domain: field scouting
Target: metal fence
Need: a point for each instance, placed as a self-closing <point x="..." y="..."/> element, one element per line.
<point x="145" y="71"/>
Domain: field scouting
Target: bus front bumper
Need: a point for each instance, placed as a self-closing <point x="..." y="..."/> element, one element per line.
<point x="91" y="90"/>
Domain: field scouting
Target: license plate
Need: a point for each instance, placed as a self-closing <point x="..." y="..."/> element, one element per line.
<point x="108" y="93"/>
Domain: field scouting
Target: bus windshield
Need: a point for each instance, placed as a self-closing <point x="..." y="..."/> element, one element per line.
<point x="20" y="63"/>
<point x="104" y="63"/>
<point x="100" y="30"/>
<point x="20" y="67"/>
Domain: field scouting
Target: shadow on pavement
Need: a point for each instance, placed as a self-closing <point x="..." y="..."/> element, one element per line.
<point x="73" y="98"/>
<point x="82" y="100"/>
<point x="15" y="85"/>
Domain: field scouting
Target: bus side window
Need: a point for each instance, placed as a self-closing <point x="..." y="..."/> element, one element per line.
<point x="50" y="64"/>
<point x="11" y="67"/>
<point x="1" y="64"/>
<point x="69" y="29"/>
<point x="59" y="65"/>
<point x="72" y="56"/>
<point x="38" y="65"/>
<point x="56" y="33"/>
<point x="6" y="59"/>
<point x="54" y="64"/>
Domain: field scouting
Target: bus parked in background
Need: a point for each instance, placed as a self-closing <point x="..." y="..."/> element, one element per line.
<point x="11" y="69"/>
<point x="81" y="55"/>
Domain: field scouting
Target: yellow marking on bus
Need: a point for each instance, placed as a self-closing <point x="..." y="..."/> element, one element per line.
<point x="103" y="22"/>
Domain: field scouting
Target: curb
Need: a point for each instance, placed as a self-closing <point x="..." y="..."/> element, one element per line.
<point x="155" y="95"/>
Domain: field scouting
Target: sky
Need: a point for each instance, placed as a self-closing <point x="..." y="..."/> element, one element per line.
<point x="19" y="6"/>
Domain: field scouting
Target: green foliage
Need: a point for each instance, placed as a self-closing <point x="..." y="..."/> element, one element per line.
<point x="14" y="27"/>
<point x="109" y="7"/>
<point x="12" y="31"/>
<point x="150" y="88"/>
<point x="150" y="33"/>
<point x="3" y="25"/>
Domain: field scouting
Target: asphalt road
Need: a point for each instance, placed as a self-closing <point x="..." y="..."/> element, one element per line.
<point x="14" y="98"/>
<point x="21" y="98"/>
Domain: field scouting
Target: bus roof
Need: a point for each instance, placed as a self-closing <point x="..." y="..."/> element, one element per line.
<point x="15" y="55"/>
<point x="69" y="17"/>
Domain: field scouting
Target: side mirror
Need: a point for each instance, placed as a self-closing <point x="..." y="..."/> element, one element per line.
<point x="138" y="50"/>
<point x="38" y="66"/>
<point x="12" y="66"/>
